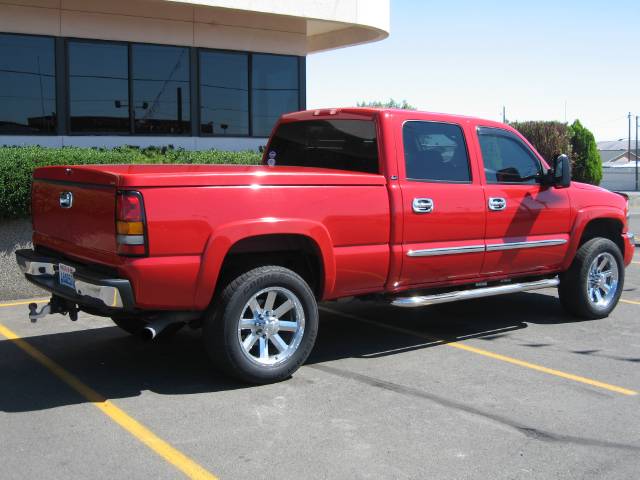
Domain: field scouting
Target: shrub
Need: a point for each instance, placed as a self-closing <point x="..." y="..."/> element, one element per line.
<point x="549" y="138"/>
<point x="17" y="164"/>
<point x="586" y="162"/>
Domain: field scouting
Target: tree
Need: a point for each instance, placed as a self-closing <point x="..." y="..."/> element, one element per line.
<point x="550" y="139"/>
<point x="586" y="162"/>
<point x="391" y="103"/>
<point x="553" y="138"/>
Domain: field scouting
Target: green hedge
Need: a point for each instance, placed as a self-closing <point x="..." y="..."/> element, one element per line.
<point x="17" y="164"/>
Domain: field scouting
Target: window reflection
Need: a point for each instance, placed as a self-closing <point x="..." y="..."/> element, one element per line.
<point x="161" y="97"/>
<point x="224" y="93"/>
<point x="121" y="88"/>
<point x="98" y="87"/>
<point x="27" y="85"/>
<point x="274" y="90"/>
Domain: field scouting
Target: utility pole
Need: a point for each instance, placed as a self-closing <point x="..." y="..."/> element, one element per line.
<point x="629" y="144"/>
<point x="637" y="152"/>
<point x="504" y="114"/>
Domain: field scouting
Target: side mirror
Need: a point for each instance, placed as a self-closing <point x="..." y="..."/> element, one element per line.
<point x="561" y="171"/>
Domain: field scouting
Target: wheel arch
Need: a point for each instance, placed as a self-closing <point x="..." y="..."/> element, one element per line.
<point x="291" y="240"/>
<point x="593" y="223"/>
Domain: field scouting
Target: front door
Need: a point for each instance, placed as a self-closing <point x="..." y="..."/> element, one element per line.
<point x="527" y="224"/>
<point x="443" y="206"/>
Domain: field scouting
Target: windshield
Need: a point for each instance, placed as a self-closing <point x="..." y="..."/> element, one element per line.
<point x="339" y="144"/>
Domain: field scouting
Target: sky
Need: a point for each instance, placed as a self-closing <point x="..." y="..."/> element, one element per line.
<point x="538" y="59"/>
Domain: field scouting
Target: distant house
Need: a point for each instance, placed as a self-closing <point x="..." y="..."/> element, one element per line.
<point x="615" y="153"/>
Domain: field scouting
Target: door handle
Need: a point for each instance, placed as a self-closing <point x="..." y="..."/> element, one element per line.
<point x="497" y="203"/>
<point x="423" y="205"/>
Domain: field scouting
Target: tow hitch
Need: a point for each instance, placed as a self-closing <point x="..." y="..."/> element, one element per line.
<point x="55" y="305"/>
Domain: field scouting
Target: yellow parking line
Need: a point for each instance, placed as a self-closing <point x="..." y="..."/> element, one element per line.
<point x="23" y="302"/>
<point x="630" y="301"/>
<point x="178" y="459"/>
<point x="496" y="356"/>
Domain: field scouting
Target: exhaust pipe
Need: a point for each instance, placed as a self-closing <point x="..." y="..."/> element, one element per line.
<point x="157" y="326"/>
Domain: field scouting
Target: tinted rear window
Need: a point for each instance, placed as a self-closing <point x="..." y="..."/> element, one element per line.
<point x="339" y="144"/>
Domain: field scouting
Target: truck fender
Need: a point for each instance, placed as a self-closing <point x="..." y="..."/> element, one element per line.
<point x="225" y="236"/>
<point x="582" y="219"/>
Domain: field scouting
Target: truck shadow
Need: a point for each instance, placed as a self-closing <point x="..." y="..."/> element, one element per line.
<point x="119" y="366"/>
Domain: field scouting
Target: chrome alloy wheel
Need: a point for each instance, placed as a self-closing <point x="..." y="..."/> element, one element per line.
<point x="271" y="326"/>
<point x="602" y="282"/>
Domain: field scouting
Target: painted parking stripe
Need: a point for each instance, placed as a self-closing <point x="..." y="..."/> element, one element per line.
<point x="632" y="302"/>
<point x="176" y="458"/>
<point x="486" y="353"/>
<point x="23" y="302"/>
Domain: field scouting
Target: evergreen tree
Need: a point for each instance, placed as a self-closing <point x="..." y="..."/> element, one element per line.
<point x="586" y="162"/>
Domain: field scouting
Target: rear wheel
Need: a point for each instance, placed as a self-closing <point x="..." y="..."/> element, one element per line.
<point x="264" y="326"/>
<point x="593" y="284"/>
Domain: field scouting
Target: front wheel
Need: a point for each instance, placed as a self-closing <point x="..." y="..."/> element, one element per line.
<point x="593" y="284"/>
<point x="264" y="326"/>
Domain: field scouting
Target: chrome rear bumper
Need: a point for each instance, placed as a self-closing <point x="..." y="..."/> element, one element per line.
<point x="92" y="289"/>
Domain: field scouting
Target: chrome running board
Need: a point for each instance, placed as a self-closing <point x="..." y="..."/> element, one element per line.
<point x="424" y="300"/>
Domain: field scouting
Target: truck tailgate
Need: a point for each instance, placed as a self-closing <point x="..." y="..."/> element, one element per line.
<point x="75" y="207"/>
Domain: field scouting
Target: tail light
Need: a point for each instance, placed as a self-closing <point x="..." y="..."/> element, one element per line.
<point x="131" y="225"/>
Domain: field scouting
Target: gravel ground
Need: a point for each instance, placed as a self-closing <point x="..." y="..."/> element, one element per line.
<point x="14" y="235"/>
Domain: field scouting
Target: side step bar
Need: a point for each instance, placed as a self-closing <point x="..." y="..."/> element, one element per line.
<point x="424" y="300"/>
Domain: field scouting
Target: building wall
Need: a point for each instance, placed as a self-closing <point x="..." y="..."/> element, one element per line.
<point x="281" y="27"/>
<point x="291" y="27"/>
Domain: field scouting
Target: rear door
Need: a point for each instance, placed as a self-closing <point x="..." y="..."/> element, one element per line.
<point x="443" y="205"/>
<point x="527" y="223"/>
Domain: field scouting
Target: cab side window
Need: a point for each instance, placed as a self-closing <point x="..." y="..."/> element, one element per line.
<point x="506" y="158"/>
<point x="435" y="152"/>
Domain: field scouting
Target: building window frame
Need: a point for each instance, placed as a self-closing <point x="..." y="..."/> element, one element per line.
<point x="251" y="102"/>
<point x="59" y="113"/>
<point x="69" y="132"/>
<point x="188" y="131"/>
<point x="200" y="50"/>
<point x="63" y="87"/>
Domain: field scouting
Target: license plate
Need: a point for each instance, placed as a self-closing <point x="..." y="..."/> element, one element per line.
<point x="65" y="275"/>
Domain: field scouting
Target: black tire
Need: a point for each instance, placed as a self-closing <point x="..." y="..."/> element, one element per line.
<point x="574" y="283"/>
<point x="220" y="327"/>
<point x="132" y="326"/>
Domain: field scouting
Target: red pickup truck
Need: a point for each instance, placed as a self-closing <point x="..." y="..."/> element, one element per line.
<point x="410" y="207"/>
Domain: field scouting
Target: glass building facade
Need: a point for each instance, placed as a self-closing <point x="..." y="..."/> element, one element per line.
<point x="64" y="86"/>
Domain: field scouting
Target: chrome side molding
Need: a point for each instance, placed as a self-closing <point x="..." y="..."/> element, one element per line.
<point x="494" y="247"/>
<point x="424" y="300"/>
<point x="432" y="252"/>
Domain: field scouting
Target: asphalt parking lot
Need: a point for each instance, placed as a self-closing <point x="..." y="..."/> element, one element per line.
<point x="507" y="387"/>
